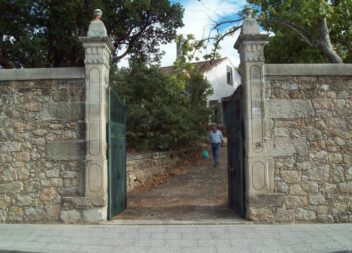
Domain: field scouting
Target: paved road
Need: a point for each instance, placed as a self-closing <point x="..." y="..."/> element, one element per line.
<point x="172" y="238"/>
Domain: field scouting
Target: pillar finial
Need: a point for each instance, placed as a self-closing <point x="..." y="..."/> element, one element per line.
<point x="248" y="11"/>
<point x="98" y="13"/>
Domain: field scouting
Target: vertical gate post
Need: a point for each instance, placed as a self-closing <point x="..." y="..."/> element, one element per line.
<point x="258" y="166"/>
<point x="98" y="49"/>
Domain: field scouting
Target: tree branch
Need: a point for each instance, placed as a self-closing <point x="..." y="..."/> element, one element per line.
<point x="324" y="42"/>
<point x="298" y="29"/>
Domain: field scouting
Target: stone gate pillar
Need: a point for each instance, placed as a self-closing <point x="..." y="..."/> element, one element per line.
<point x="98" y="48"/>
<point x="258" y="166"/>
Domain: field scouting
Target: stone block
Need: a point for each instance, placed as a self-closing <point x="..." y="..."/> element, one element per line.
<point x="40" y="132"/>
<point x="83" y="202"/>
<point x="281" y="187"/>
<point x="47" y="194"/>
<point x="319" y="173"/>
<point x="69" y="174"/>
<point x="3" y="216"/>
<point x="11" y="187"/>
<point x="63" y="111"/>
<point x="279" y="147"/>
<point x="96" y="215"/>
<point x="304" y="215"/>
<point x="24" y="200"/>
<point x="267" y="200"/>
<point x="326" y="187"/>
<point x="70" y="216"/>
<point x="23" y="157"/>
<point x="349" y="173"/>
<point x="5" y="201"/>
<point x="325" y="218"/>
<point x="15" y="214"/>
<point x="288" y="109"/>
<point x="53" y="173"/>
<point x="345" y="187"/>
<point x="10" y="147"/>
<point x="296" y="189"/>
<point x="310" y="186"/>
<point x="337" y="174"/>
<point x="8" y="175"/>
<point x="317" y="199"/>
<point x="296" y="201"/>
<point x="66" y="150"/>
<point x="305" y="165"/>
<point x="53" y="212"/>
<point x="291" y="177"/>
<point x="284" y="215"/>
<point x="34" y="214"/>
<point x="261" y="215"/>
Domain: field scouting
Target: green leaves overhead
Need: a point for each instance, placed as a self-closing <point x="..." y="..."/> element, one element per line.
<point x="324" y="26"/>
<point x="44" y="33"/>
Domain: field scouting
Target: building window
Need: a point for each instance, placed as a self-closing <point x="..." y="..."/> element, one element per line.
<point x="229" y="75"/>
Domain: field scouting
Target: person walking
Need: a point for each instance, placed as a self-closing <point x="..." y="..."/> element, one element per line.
<point x="216" y="138"/>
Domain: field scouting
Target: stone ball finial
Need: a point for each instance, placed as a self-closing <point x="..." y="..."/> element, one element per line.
<point x="98" y="13"/>
<point x="248" y="11"/>
<point x="97" y="27"/>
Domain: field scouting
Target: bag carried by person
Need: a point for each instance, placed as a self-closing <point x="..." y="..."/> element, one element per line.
<point x="205" y="154"/>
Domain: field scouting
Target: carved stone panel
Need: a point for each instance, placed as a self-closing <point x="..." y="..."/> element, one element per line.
<point x="94" y="178"/>
<point x="256" y="109"/>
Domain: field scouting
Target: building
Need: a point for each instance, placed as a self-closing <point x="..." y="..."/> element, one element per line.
<point x="224" y="80"/>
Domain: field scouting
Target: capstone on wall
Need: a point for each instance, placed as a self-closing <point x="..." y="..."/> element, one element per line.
<point x="308" y="131"/>
<point x="42" y="148"/>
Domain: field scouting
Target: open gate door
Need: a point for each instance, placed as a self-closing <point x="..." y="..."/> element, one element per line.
<point x="235" y="150"/>
<point x="116" y="155"/>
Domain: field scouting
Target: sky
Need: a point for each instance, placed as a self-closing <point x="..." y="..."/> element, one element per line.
<point x="199" y="16"/>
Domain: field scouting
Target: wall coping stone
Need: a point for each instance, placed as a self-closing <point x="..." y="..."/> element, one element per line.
<point x="42" y="74"/>
<point x="308" y="69"/>
<point x="85" y="202"/>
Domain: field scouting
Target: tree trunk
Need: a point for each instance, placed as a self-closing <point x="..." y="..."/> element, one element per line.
<point x="324" y="43"/>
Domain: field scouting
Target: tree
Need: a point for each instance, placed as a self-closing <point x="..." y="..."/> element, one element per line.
<point x="163" y="111"/>
<point x="313" y="21"/>
<point x="44" y="33"/>
<point x="323" y="25"/>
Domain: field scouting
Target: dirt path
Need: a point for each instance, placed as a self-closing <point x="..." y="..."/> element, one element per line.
<point x="201" y="193"/>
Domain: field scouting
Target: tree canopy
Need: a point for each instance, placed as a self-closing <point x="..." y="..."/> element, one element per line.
<point x="321" y="24"/>
<point x="304" y="30"/>
<point x="42" y="33"/>
<point x="163" y="111"/>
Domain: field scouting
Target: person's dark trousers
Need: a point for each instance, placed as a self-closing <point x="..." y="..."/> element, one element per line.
<point x="215" y="149"/>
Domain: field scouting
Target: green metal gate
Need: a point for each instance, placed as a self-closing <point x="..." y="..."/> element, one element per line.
<point x="116" y="155"/>
<point x="235" y="150"/>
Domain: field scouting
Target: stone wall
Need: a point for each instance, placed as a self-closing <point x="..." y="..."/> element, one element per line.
<point x="142" y="167"/>
<point x="41" y="142"/>
<point x="308" y="132"/>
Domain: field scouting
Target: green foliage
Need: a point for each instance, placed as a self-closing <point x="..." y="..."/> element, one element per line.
<point x="44" y="33"/>
<point x="297" y="26"/>
<point x="289" y="48"/>
<point x="164" y="112"/>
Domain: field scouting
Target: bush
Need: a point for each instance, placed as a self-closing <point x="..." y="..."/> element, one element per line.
<point x="164" y="112"/>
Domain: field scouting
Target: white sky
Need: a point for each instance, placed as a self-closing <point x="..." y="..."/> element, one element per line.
<point x="198" y="18"/>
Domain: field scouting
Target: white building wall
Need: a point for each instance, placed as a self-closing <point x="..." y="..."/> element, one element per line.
<point x="217" y="77"/>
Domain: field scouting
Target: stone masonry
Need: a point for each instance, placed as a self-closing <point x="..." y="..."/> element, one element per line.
<point x="309" y="129"/>
<point x="41" y="145"/>
<point x="142" y="167"/>
<point x="298" y="136"/>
